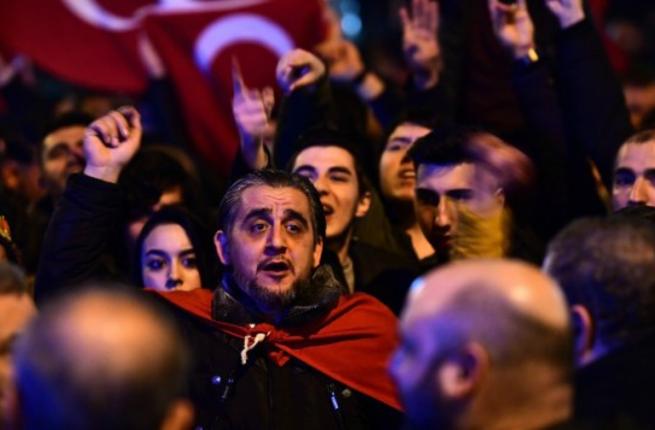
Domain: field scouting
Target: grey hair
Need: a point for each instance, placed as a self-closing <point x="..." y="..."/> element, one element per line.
<point x="276" y="179"/>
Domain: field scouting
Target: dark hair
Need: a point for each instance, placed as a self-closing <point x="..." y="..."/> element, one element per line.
<point x="277" y="179"/>
<point x="643" y="136"/>
<point x="444" y="145"/>
<point x="608" y="266"/>
<point x="12" y="279"/>
<point x="198" y="234"/>
<point x="455" y="144"/>
<point x="330" y="137"/>
<point x="149" y="174"/>
<point x="69" y="119"/>
<point x="64" y="387"/>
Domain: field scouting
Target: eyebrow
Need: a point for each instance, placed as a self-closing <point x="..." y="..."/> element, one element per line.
<point x="157" y="252"/>
<point x="304" y="168"/>
<point x="257" y="213"/>
<point x="624" y="171"/>
<point x="290" y="214"/>
<point x="401" y="139"/>
<point x="340" y="169"/>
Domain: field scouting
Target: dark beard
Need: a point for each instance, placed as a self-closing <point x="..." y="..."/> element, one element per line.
<point x="272" y="302"/>
<point x="296" y="306"/>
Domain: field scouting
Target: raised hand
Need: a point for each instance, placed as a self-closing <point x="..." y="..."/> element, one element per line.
<point x="568" y="12"/>
<point x="513" y="27"/>
<point x="110" y="142"/>
<point x="298" y="68"/>
<point x="420" y="43"/>
<point x="343" y="59"/>
<point x="252" y="112"/>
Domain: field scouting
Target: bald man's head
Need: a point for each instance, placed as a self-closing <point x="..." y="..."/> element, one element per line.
<point x="99" y="360"/>
<point x="475" y="331"/>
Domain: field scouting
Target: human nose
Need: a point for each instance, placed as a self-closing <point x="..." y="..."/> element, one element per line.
<point x="276" y="239"/>
<point x="174" y="275"/>
<point x="442" y="218"/>
<point x="322" y="185"/>
<point x="638" y="192"/>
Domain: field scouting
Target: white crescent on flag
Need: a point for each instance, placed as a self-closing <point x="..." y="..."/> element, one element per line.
<point x="239" y="28"/>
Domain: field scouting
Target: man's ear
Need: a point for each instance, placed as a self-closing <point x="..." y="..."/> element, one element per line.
<point x="363" y="205"/>
<point x="462" y="372"/>
<point x="318" y="251"/>
<point x="179" y="416"/>
<point x="222" y="248"/>
<point x="583" y="333"/>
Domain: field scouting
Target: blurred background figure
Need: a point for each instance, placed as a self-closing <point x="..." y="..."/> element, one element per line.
<point x="606" y="268"/>
<point x="485" y="344"/>
<point x="16" y="310"/>
<point x="100" y="360"/>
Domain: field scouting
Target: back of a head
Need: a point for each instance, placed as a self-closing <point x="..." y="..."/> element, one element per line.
<point x="99" y="360"/>
<point x="502" y="327"/>
<point x="608" y="266"/>
<point x="516" y="312"/>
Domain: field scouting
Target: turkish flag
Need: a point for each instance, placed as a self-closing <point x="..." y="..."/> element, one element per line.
<point x="89" y="43"/>
<point x="198" y="48"/>
<point x="101" y="43"/>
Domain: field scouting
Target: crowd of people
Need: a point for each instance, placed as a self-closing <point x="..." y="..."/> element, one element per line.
<point x="379" y="257"/>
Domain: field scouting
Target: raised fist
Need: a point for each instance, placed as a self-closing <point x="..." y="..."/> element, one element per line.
<point x="110" y="142"/>
<point x="298" y="68"/>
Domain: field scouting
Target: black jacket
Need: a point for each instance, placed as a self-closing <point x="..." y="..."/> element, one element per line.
<point x="227" y="395"/>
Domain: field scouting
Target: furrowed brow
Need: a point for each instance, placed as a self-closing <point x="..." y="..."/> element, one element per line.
<point x="257" y="214"/>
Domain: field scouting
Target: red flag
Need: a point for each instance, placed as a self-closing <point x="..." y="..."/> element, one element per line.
<point x="82" y="41"/>
<point x="197" y="50"/>
<point x="100" y="44"/>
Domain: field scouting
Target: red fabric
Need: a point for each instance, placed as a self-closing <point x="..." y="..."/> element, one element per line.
<point x="59" y="41"/>
<point x="618" y="58"/>
<point x="206" y="96"/>
<point x="96" y="44"/>
<point x="351" y="344"/>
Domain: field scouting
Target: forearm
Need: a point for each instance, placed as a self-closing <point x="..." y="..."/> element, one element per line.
<point x="592" y="97"/>
<point x="78" y="235"/>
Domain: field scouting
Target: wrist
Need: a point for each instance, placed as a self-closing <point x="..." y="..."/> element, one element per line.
<point x="525" y="51"/>
<point x="103" y="173"/>
<point x="527" y="61"/>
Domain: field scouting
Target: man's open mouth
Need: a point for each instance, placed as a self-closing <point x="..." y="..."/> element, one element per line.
<point x="278" y="267"/>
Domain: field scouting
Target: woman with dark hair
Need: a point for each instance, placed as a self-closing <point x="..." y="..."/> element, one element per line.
<point x="174" y="252"/>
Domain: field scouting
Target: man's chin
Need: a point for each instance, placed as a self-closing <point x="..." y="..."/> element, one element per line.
<point x="275" y="284"/>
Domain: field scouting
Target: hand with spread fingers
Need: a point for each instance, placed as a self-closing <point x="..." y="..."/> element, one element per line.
<point x="568" y="12"/>
<point x="252" y="110"/>
<point x="513" y="27"/>
<point x="420" y="41"/>
<point x="297" y="69"/>
<point x="110" y="142"/>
